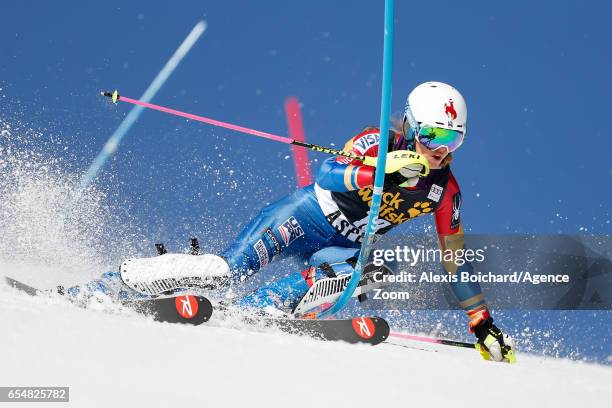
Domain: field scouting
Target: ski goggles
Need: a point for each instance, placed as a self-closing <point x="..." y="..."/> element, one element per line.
<point x="434" y="138"/>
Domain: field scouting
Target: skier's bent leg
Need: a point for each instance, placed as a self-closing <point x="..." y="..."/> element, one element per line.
<point x="285" y="293"/>
<point x="255" y="246"/>
<point x="282" y="294"/>
<point x="329" y="263"/>
<point x="333" y="255"/>
<point x="108" y="286"/>
<point x="294" y="225"/>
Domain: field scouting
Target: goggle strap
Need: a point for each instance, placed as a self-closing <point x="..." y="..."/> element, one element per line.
<point x="410" y="117"/>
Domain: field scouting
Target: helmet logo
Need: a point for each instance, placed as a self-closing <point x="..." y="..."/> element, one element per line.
<point x="449" y="109"/>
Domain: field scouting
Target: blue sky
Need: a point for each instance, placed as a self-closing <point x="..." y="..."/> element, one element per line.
<point x="535" y="76"/>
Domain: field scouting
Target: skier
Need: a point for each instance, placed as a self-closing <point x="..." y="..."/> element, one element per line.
<point x="323" y="223"/>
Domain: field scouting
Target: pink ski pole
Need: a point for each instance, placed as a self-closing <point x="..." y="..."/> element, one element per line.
<point x="432" y="340"/>
<point x="116" y="97"/>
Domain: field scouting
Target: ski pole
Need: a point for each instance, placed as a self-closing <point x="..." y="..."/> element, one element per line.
<point x="111" y="145"/>
<point x="115" y="97"/>
<point x="433" y="340"/>
<point x="509" y="357"/>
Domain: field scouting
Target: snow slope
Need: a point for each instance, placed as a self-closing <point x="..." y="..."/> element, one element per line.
<point x="126" y="360"/>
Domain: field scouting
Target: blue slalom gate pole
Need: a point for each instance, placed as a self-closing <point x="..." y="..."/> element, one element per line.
<point x="110" y="147"/>
<point x="379" y="180"/>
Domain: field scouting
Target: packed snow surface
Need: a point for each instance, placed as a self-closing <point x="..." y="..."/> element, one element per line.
<point x="122" y="359"/>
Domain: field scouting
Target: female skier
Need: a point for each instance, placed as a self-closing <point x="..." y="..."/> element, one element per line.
<point x="324" y="223"/>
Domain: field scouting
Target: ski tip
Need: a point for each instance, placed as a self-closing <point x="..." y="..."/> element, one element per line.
<point x="15" y="284"/>
<point x="113" y="95"/>
<point x="9" y="281"/>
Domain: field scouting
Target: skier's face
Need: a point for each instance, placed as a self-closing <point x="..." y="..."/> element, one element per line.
<point x="434" y="157"/>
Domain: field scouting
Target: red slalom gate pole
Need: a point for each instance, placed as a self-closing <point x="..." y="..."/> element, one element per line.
<point x="296" y="131"/>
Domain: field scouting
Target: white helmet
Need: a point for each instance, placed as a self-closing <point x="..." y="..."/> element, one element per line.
<point x="436" y="104"/>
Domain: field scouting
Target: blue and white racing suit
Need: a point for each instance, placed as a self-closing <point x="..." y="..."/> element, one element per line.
<point x="293" y="226"/>
<point x="324" y="223"/>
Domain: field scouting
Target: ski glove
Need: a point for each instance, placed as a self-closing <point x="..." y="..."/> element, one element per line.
<point x="399" y="159"/>
<point x="407" y="176"/>
<point x="493" y="344"/>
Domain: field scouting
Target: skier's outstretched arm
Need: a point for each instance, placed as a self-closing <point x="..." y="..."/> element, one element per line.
<point x="338" y="176"/>
<point x="344" y="174"/>
<point x="493" y="344"/>
<point x="450" y="237"/>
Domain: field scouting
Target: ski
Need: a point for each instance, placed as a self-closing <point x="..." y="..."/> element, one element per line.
<point x="20" y="286"/>
<point x="185" y="309"/>
<point x="196" y="309"/>
<point x="368" y="330"/>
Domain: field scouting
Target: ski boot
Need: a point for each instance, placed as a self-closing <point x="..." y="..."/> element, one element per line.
<point x="168" y="272"/>
<point x="315" y="288"/>
<point x="493" y="345"/>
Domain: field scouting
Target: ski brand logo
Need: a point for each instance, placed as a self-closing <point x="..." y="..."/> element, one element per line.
<point x="364" y="327"/>
<point x="262" y="253"/>
<point x="435" y="193"/>
<point x="450" y="111"/>
<point x="186" y="306"/>
<point x="456" y="216"/>
<point x="290" y="230"/>
<point x="271" y="238"/>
